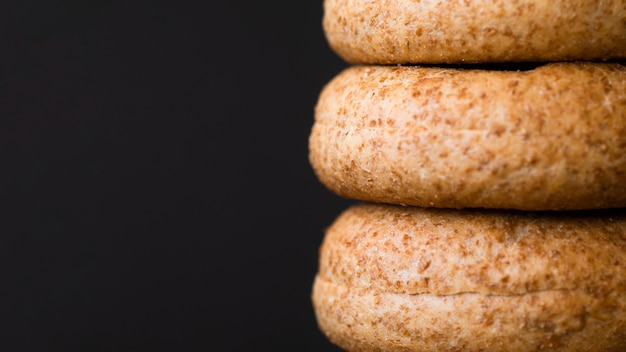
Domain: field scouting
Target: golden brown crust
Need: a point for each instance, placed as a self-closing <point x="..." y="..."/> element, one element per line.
<point x="550" y="138"/>
<point x="413" y="250"/>
<point x="395" y="278"/>
<point x="414" y="31"/>
<point x="358" y="319"/>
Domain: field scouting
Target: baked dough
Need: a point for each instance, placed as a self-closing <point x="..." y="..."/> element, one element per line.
<point x="437" y="31"/>
<point x="548" y="138"/>
<point x="395" y="278"/>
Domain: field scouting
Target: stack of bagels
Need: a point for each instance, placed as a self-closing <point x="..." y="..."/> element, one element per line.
<point x="484" y="143"/>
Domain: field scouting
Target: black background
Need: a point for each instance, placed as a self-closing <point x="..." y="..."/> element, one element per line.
<point x="155" y="185"/>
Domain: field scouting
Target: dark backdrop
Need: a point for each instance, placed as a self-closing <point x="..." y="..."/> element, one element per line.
<point x="155" y="188"/>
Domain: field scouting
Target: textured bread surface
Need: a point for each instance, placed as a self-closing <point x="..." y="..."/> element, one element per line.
<point x="549" y="138"/>
<point x="436" y="31"/>
<point x="395" y="278"/>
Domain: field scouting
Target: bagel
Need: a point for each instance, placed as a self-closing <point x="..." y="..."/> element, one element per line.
<point x="436" y="31"/>
<point x="395" y="278"/>
<point x="552" y="137"/>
